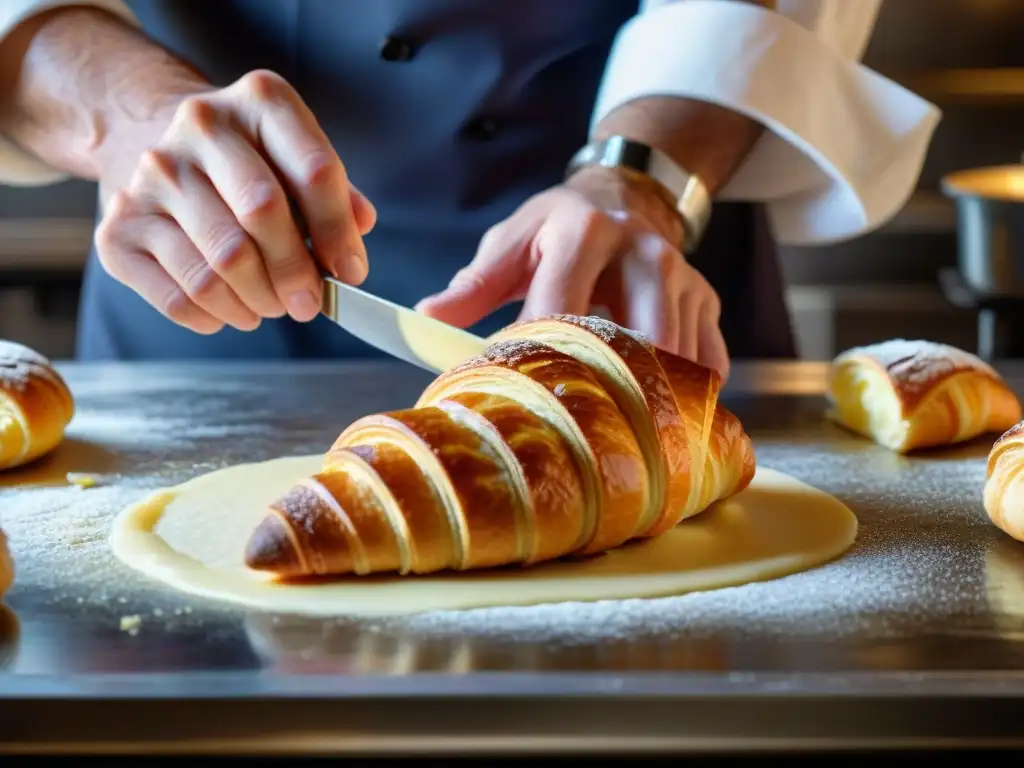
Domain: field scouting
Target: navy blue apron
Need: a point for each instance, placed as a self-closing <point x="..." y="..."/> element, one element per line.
<point x="448" y="114"/>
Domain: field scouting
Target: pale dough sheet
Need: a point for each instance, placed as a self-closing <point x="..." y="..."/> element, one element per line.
<point x="192" y="538"/>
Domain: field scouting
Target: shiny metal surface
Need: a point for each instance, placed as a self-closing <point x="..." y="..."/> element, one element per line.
<point x="692" y="199"/>
<point x="397" y="330"/>
<point x="990" y="228"/>
<point x="916" y="637"/>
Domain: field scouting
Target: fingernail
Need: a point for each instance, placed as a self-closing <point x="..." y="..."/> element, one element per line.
<point x="423" y="305"/>
<point x="370" y="207"/>
<point x="353" y="270"/>
<point x="248" y="327"/>
<point x="303" y="304"/>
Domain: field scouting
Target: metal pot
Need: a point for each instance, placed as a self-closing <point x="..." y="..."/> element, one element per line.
<point x="990" y="228"/>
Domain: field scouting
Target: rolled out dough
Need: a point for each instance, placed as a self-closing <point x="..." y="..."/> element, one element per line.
<point x="192" y="537"/>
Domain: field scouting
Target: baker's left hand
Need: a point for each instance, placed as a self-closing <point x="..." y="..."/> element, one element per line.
<point x="598" y="240"/>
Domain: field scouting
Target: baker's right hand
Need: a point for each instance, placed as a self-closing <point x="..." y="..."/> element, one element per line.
<point x="200" y="224"/>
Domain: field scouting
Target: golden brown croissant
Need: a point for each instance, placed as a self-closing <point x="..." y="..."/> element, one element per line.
<point x="1004" y="482"/>
<point x="907" y="395"/>
<point x="35" y="405"/>
<point x="567" y="436"/>
<point x="730" y="463"/>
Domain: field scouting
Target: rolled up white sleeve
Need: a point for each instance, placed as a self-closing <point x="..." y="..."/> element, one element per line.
<point x="844" y="146"/>
<point x="17" y="167"/>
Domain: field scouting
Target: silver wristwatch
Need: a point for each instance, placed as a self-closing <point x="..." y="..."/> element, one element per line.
<point x="692" y="199"/>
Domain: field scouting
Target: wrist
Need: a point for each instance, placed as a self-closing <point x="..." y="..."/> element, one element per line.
<point x="618" y="189"/>
<point x="139" y="102"/>
<point x="82" y="87"/>
<point x="132" y="119"/>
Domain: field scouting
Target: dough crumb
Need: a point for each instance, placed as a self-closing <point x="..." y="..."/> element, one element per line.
<point x="83" y="480"/>
<point x="131" y="624"/>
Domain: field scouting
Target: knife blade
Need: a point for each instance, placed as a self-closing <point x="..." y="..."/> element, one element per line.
<point x="401" y="332"/>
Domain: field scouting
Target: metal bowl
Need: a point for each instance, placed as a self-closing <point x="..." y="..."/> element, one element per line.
<point x="990" y="228"/>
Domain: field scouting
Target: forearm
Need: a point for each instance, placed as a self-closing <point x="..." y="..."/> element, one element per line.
<point x="75" y="82"/>
<point x="706" y="139"/>
<point x="842" y="147"/>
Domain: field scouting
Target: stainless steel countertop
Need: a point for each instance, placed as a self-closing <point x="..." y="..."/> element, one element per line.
<point x="914" y="637"/>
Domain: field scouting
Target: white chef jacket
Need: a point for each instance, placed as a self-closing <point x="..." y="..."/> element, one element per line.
<point x="844" y="146"/>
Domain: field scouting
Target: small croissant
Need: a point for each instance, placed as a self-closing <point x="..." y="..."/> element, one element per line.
<point x="35" y="405"/>
<point x="1004" y="482"/>
<point x="909" y="395"/>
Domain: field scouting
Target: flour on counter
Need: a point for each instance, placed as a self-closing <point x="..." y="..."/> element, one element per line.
<point x="925" y="550"/>
<point x="916" y="558"/>
<point x="138" y="431"/>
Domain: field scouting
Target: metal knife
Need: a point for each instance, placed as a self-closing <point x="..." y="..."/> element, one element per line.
<point x="397" y="330"/>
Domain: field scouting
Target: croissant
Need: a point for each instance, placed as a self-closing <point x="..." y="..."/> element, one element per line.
<point x="730" y="464"/>
<point x="907" y="395"/>
<point x="1003" y="491"/>
<point x="35" y="405"/>
<point x="566" y="436"/>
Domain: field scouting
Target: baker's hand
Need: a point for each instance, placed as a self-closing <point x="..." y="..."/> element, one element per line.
<point x="197" y="217"/>
<point x="599" y="240"/>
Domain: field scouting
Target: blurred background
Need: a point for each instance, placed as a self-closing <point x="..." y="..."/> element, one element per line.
<point x="964" y="55"/>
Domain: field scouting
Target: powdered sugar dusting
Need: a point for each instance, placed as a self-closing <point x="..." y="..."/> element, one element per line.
<point x="641" y="337"/>
<point x="510" y="353"/>
<point x="915" y="368"/>
<point x="604" y="329"/>
<point x="913" y="360"/>
<point x="916" y="561"/>
<point x="1017" y="430"/>
<point x="19" y="364"/>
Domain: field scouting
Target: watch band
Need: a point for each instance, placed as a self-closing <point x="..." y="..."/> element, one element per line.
<point x="692" y="200"/>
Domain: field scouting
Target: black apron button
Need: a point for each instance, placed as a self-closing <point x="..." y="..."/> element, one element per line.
<point x="481" y="129"/>
<point x="396" y="49"/>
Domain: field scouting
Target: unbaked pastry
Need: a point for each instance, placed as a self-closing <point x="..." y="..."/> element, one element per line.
<point x="35" y="405"/>
<point x="567" y="436"/>
<point x="1004" y="482"/>
<point x="907" y="395"/>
